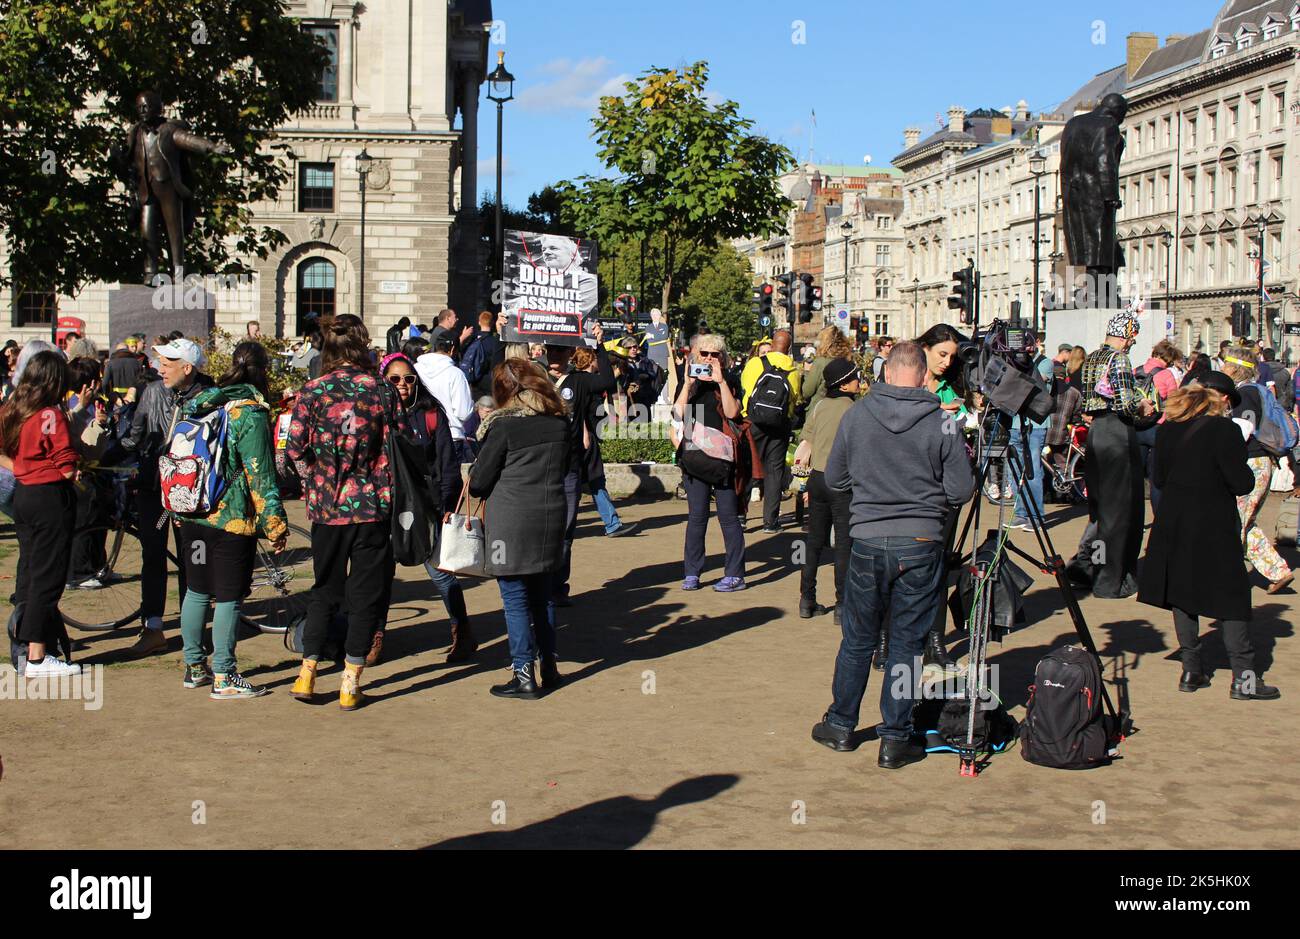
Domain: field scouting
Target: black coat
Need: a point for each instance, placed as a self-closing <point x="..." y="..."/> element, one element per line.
<point x="429" y="426"/>
<point x="520" y="468"/>
<point x="1194" y="557"/>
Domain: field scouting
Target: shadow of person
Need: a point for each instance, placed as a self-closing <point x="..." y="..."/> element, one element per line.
<point x="610" y="824"/>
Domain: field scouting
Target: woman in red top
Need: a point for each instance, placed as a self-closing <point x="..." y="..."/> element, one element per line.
<point x="37" y="446"/>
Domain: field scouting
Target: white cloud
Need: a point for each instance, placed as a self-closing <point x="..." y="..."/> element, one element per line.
<point x="487" y="168"/>
<point x="570" y="85"/>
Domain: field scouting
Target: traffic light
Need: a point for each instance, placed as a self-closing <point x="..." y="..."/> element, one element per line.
<point x="963" y="293"/>
<point x="810" y="298"/>
<point x="763" y="305"/>
<point x="786" y="281"/>
<point x="1241" y="325"/>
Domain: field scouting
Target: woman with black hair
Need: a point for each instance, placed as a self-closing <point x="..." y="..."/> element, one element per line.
<point x="336" y="438"/>
<point x="218" y="549"/>
<point x="36" y="446"/>
<point x="427" y="423"/>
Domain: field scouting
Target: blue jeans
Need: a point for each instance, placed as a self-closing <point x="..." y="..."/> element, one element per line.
<point x="605" y="506"/>
<point x="1037" y="440"/>
<point x="530" y="617"/>
<point x="894" y="580"/>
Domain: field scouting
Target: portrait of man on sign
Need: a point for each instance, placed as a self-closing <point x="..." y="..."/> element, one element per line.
<point x="550" y="287"/>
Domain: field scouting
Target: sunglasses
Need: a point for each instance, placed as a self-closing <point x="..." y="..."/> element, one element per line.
<point x="706" y="354"/>
<point x="402" y="379"/>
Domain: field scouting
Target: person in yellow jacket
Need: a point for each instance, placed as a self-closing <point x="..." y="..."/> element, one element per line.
<point x="771" y="432"/>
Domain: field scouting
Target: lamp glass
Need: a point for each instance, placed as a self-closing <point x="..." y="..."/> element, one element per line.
<point x="1037" y="164"/>
<point x="364" y="160"/>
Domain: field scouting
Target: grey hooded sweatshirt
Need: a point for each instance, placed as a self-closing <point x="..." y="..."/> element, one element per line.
<point x="904" y="461"/>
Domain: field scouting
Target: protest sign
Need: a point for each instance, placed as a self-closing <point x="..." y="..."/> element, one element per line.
<point x="550" y="288"/>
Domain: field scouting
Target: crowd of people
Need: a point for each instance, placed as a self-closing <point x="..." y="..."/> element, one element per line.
<point x="874" y="448"/>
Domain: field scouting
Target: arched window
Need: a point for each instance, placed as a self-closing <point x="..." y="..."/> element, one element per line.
<point x="315" y="290"/>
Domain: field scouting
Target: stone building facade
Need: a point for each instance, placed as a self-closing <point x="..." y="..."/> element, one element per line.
<point x="403" y="84"/>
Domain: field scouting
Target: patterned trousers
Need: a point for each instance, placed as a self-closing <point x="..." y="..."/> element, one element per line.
<point x="1259" y="550"/>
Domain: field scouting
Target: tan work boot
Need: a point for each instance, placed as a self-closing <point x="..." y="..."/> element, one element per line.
<point x="350" y="697"/>
<point x="305" y="686"/>
<point x="376" y="649"/>
<point x="148" y="642"/>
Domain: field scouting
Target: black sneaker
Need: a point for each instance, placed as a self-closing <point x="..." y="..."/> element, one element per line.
<point x="895" y="753"/>
<point x="839" y="739"/>
<point x="628" y="528"/>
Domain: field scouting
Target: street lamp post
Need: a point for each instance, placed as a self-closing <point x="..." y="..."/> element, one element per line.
<point x="847" y="227"/>
<point x="1038" y="167"/>
<point x="1259" y="323"/>
<point x="501" y="86"/>
<point x="916" y="299"/>
<point x="1168" y="239"/>
<point x="364" y="160"/>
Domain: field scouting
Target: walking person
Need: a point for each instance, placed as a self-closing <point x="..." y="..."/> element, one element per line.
<point x="1193" y="561"/>
<point x="180" y="363"/>
<point x="1113" y="468"/>
<point x="828" y="509"/>
<point x="707" y="410"/>
<point x="897" y="521"/>
<point x="336" y="439"/>
<point x="427" y="423"/>
<point x="36" y="446"/>
<point x="218" y="550"/>
<point x="1239" y="366"/>
<point x="448" y="384"/>
<point x="522" y="462"/>
<point x="771" y="386"/>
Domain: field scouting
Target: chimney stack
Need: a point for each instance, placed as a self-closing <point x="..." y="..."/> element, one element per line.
<point x="956" y="119"/>
<point x="1174" y="37"/>
<point x="911" y="137"/>
<point x="1140" y="47"/>
<point x="1022" y="110"/>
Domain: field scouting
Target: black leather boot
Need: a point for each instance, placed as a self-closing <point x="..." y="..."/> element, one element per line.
<point x="882" y="650"/>
<point x="810" y="608"/>
<point x="935" y="653"/>
<point x="1192" y="681"/>
<point x="521" y="685"/>
<point x="895" y="754"/>
<point x="1252" y="689"/>
<point x="837" y="738"/>
<point x="551" y="677"/>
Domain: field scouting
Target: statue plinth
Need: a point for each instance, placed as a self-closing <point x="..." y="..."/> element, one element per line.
<point x="157" y="311"/>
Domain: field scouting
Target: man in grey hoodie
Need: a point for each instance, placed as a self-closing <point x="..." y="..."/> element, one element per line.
<point x="905" y="463"/>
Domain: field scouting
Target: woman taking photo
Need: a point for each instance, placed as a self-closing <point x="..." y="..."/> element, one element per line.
<point x="1239" y="363"/>
<point x="218" y="550"/>
<point x="827" y="508"/>
<point x="427" y="423"/>
<point x="36" y="446"/>
<point x="522" y="461"/>
<point x="1193" y="561"/>
<point x="336" y="439"/>
<point x="706" y="411"/>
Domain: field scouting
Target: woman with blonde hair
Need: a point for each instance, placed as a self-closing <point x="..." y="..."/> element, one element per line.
<point x="706" y="428"/>
<point x="1239" y="364"/>
<point x="1074" y="366"/>
<point x="831" y="344"/>
<point x="1193" y="561"/>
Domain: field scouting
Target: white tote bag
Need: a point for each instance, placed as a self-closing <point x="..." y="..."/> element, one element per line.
<point x="1283" y="477"/>
<point x="462" y="549"/>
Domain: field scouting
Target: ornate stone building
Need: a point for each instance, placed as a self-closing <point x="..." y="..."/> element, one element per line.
<point x="403" y="84"/>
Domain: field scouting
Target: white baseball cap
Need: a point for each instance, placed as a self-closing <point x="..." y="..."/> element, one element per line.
<point x="184" y="349"/>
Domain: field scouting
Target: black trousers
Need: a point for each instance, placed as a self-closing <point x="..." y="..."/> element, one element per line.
<point x="771" y="451"/>
<point x="353" y="565"/>
<point x="827" y="510"/>
<point x="1113" y="473"/>
<point x="43" y="518"/>
<point x="572" y="493"/>
<point x="153" y="554"/>
<point x="1236" y="639"/>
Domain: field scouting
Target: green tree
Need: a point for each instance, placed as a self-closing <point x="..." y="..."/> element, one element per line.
<point x="682" y="171"/>
<point x="232" y="69"/>
<point x="720" y="297"/>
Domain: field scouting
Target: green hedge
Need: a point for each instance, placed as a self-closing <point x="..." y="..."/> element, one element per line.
<point x="638" y="443"/>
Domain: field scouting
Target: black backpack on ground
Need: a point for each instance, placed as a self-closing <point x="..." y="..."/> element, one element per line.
<point x="1064" y="726"/>
<point x="18" y="650"/>
<point x="769" y="405"/>
<point x="994" y="727"/>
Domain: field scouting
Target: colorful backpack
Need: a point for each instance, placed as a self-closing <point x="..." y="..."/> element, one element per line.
<point x="192" y="471"/>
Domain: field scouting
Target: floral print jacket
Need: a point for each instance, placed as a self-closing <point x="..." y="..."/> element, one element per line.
<point x="251" y="502"/>
<point x="336" y="439"/>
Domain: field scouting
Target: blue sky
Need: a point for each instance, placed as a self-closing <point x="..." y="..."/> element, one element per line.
<point x="868" y="68"/>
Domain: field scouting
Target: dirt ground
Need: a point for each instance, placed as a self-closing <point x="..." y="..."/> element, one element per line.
<point x="718" y="756"/>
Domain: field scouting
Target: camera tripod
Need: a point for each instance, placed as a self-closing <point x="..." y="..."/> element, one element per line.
<point x="995" y="449"/>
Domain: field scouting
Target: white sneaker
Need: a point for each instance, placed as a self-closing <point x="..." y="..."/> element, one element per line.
<point x="91" y="583"/>
<point x="993" y="492"/>
<point x="50" y="667"/>
<point x="755" y="496"/>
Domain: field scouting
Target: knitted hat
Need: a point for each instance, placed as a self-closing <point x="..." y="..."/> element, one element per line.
<point x="839" y="372"/>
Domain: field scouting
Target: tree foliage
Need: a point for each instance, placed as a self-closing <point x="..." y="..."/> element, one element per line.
<point x="681" y="169"/>
<point x="232" y="69"/>
<point x="720" y="296"/>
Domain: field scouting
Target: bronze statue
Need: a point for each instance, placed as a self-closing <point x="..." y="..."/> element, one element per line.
<point x="1091" y="147"/>
<point x="156" y="165"/>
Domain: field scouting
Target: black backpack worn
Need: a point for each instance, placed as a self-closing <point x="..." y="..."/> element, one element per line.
<point x="1064" y="726"/>
<point x="769" y="405"/>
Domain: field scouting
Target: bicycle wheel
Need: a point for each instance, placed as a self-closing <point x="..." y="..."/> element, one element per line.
<point x="110" y="597"/>
<point x="277" y="599"/>
<point x="1074" y="472"/>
